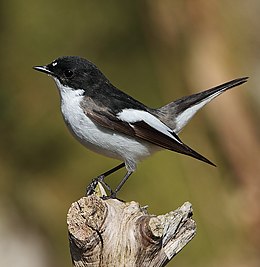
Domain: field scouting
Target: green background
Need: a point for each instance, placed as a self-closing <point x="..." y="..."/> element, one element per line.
<point x="156" y="51"/>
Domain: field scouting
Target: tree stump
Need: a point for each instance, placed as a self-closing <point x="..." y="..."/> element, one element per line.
<point x="114" y="233"/>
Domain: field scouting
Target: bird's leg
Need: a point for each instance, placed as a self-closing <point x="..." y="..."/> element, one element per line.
<point x="91" y="187"/>
<point x="113" y="194"/>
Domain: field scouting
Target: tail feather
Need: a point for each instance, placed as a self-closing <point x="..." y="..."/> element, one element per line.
<point x="178" y="113"/>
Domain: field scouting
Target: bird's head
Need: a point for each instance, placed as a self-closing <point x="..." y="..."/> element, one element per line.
<point x="74" y="72"/>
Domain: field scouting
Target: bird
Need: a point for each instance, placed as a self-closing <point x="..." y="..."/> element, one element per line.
<point x="108" y="121"/>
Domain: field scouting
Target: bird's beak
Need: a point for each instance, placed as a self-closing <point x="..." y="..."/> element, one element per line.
<point x="43" y="69"/>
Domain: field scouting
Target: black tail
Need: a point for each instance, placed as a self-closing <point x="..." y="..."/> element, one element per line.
<point x="188" y="101"/>
<point x="178" y="113"/>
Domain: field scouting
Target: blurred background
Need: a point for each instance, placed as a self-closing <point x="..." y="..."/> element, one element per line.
<point x="156" y="51"/>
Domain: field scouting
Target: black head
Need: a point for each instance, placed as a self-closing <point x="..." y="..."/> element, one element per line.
<point x="74" y="72"/>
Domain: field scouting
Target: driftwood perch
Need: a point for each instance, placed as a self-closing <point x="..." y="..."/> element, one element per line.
<point x="113" y="233"/>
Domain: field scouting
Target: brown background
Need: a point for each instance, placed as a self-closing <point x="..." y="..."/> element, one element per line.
<point x="157" y="51"/>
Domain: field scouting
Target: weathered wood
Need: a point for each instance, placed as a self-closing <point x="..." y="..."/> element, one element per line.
<point x="114" y="233"/>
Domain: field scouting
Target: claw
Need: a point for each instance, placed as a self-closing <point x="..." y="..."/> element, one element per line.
<point x="91" y="187"/>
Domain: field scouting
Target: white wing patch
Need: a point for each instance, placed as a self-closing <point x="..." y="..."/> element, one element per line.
<point x="133" y="115"/>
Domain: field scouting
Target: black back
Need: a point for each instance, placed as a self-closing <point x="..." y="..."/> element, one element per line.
<point x="79" y="73"/>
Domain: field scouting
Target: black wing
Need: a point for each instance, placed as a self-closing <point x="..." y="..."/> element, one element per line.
<point x="139" y="129"/>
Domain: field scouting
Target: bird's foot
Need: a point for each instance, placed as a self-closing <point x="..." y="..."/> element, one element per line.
<point x="111" y="196"/>
<point x="92" y="187"/>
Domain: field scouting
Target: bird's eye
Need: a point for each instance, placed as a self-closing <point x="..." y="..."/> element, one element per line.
<point x="68" y="73"/>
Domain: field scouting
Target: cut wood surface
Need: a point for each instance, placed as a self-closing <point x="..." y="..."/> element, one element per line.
<point x="114" y="233"/>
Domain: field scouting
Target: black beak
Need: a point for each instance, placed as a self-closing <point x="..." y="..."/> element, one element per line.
<point x="43" y="69"/>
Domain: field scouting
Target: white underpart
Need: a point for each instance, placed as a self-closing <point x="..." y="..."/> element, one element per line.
<point x="97" y="138"/>
<point x="187" y="114"/>
<point x="133" y="115"/>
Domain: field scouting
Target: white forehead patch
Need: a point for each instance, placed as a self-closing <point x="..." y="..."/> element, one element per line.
<point x="54" y="63"/>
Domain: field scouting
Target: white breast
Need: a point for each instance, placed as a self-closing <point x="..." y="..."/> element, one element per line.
<point x="97" y="138"/>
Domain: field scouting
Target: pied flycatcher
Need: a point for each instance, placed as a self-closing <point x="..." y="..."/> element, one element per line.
<point x="110" y="122"/>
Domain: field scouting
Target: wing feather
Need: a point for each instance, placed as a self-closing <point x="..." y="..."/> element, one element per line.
<point x="141" y="129"/>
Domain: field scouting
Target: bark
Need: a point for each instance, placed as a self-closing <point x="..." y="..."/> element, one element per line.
<point x="114" y="233"/>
